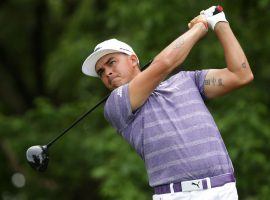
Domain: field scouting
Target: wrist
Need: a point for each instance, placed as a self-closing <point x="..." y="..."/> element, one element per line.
<point x="205" y="24"/>
<point x="221" y="26"/>
<point x="201" y="27"/>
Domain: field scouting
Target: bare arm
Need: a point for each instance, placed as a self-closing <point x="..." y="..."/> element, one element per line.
<point x="173" y="55"/>
<point x="237" y="73"/>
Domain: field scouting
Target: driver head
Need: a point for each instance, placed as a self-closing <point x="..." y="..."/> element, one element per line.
<point x="38" y="157"/>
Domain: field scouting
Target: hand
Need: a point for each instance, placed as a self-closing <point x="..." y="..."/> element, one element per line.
<point x="213" y="18"/>
<point x="198" y="19"/>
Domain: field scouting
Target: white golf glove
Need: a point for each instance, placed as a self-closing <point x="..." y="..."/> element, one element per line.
<point x="213" y="18"/>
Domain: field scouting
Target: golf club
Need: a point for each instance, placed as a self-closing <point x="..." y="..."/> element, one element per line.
<point x="38" y="155"/>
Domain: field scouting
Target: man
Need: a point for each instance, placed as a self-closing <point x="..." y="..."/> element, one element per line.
<point x="167" y="122"/>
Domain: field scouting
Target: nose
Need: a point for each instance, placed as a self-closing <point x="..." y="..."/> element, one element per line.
<point x="108" y="72"/>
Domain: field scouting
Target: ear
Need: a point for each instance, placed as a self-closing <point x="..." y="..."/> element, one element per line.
<point x="134" y="60"/>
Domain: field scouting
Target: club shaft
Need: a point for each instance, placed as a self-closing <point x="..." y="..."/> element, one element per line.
<point x="85" y="114"/>
<point x="77" y="121"/>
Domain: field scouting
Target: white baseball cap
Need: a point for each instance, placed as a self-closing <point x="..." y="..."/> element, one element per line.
<point x="102" y="49"/>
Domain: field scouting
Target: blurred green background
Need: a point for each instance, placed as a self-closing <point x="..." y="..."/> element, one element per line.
<point x="42" y="46"/>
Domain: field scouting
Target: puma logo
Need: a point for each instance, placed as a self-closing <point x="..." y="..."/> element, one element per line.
<point x="197" y="184"/>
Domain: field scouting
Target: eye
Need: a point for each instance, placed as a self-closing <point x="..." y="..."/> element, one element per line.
<point x="112" y="62"/>
<point x="100" y="72"/>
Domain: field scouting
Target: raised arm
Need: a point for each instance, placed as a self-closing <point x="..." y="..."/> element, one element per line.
<point x="163" y="64"/>
<point x="237" y="73"/>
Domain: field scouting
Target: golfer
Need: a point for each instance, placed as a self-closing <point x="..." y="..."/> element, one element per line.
<point x="167" y="121"/>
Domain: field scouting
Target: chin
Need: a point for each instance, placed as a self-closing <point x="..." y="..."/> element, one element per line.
<point x="114" y="86"/>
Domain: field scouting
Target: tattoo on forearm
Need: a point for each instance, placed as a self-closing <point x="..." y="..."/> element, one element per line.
<point x="179" y="43"/>
<point x="214" y="82"/>
<point x="244" y="65"/>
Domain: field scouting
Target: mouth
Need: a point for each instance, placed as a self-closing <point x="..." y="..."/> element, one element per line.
<point x="113" y="79"/>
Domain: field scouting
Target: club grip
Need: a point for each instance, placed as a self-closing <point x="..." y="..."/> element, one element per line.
<point x="218" y="9"/>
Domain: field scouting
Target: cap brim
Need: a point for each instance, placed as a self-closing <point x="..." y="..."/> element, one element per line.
<point x="89" y="64"/>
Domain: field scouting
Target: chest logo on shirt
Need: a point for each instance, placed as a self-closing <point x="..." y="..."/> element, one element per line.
<point x="119" y="91"/>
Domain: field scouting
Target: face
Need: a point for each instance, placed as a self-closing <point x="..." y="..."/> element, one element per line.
<point x="116" y="69"/>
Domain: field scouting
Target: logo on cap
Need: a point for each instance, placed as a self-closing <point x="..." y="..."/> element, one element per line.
<point x="125" y="49"/>
<point x="97" y="49"/>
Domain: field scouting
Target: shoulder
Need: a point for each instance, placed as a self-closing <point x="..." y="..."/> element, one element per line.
<point x="116" y="98"/>
<point x="117" y="108"/>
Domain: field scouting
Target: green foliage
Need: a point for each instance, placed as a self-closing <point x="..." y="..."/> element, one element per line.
<point x="42" y="46"/>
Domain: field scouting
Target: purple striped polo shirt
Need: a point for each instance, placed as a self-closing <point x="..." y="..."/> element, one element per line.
<point x="173" y="131"/>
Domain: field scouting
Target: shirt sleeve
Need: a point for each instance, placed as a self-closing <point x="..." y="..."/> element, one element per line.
<point x="198" y="77"/>
<point x="118" y="109"/>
